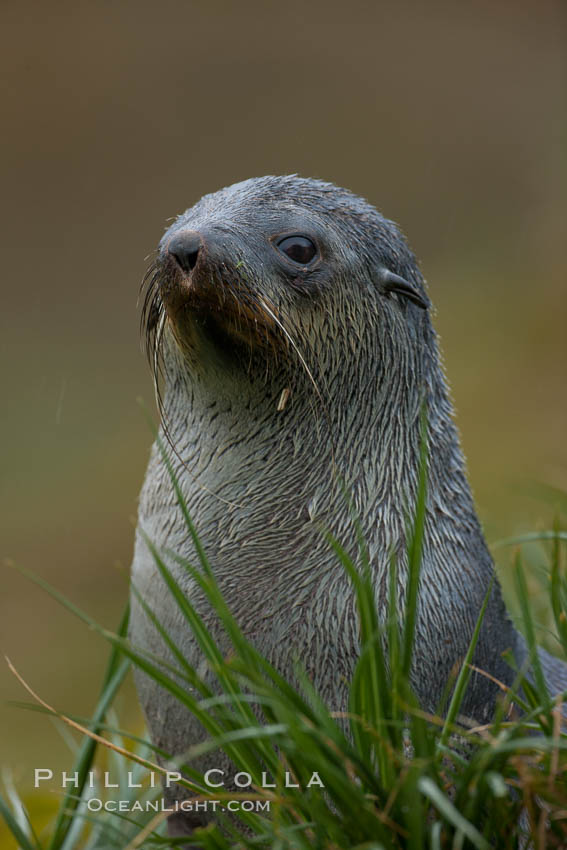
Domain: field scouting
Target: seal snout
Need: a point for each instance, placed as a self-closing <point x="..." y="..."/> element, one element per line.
<point x="187" y="272"/>
<point x="204" y="293"/>
<point x="184" y="249"/>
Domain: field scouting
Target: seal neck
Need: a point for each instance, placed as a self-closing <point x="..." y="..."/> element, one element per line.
<point x="358" y="438"/>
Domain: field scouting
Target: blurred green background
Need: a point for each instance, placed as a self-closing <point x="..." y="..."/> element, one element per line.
<point x="449" y="117"/>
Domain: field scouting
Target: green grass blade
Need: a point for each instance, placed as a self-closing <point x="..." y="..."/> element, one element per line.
<point x="558" y="592"/>
<point x="20" y="836"/>
<point x="112" y="680"/>
<point x="530" y="537"/>
<point x="188" y="669"/>
<point x="415" y="550"/>
<point x="523" y="598"/>
<point x="443" y="805"/>
<point x="462" y="678"/>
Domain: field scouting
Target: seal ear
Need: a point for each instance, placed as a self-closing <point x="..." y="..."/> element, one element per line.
<point x="394" y="283"/>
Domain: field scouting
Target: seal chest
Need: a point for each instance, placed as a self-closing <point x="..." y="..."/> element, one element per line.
<point x="290" y="323"/>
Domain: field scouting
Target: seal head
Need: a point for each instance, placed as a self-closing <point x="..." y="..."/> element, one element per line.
<point x="304" y="254"/>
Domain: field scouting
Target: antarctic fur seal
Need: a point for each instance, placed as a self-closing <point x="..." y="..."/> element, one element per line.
<point x="293" y="329"/>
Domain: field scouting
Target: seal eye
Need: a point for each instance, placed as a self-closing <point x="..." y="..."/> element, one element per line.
<point x="300" y="249"/>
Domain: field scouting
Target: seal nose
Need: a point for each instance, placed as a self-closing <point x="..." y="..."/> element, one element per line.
<point x="184" y="248"/>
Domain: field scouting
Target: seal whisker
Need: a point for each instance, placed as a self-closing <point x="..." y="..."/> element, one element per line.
<point x="154" y="322"/>
<point x="156" y="359"/>
<point x="308" y="371"/>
